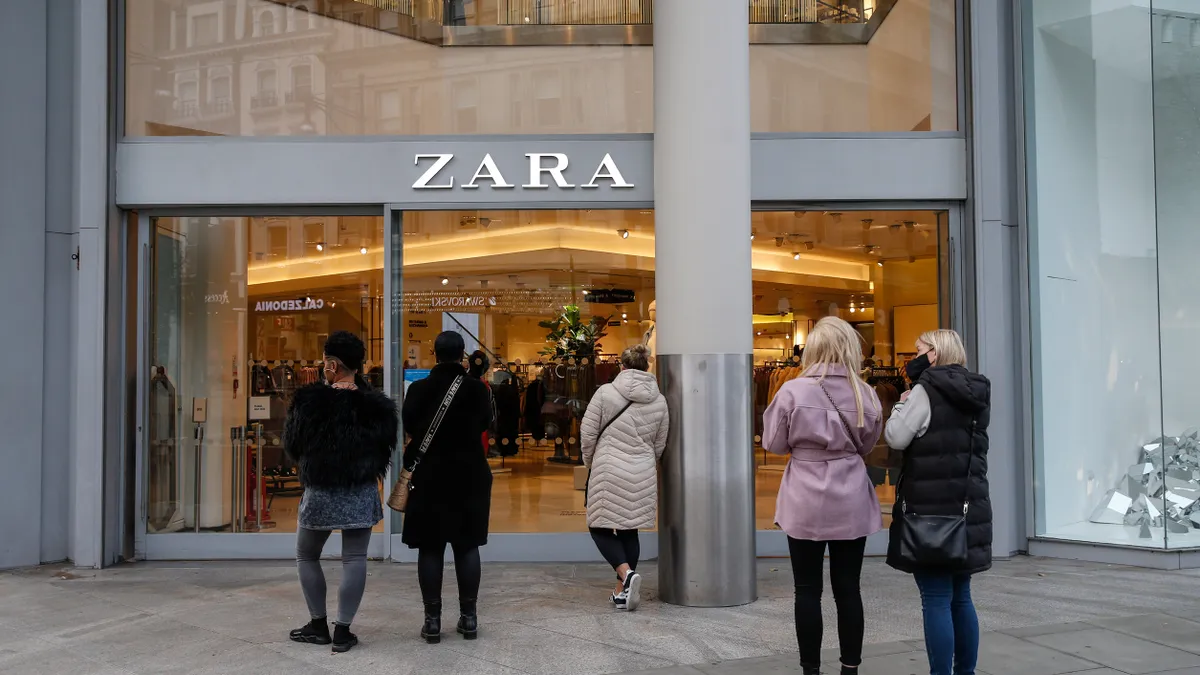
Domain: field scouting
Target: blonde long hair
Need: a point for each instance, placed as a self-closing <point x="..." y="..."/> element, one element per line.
<point x="833" y="342"/>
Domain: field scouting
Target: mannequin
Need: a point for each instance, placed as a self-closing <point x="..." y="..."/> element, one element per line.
<point x="650" y="337"/>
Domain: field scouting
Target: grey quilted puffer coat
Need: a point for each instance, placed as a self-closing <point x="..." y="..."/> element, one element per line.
<point x="623" y="486"/>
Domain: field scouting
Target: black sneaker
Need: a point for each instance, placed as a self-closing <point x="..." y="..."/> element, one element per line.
<point x="315" y="632"/>
<point x="343" y="639"/>
<point x="633" y="591"/>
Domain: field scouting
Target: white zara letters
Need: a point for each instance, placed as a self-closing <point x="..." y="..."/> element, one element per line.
<point x="439" y="174"/>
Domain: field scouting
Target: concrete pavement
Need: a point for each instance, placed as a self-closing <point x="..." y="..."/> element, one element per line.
<point x="1042" y="617"/>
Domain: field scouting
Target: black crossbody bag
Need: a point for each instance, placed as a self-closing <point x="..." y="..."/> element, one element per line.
<point x="587" y="486"/>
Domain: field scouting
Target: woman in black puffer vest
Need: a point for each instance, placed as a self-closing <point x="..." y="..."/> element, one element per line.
<point x="342" y="435"/>
<point x="941" y="425"/>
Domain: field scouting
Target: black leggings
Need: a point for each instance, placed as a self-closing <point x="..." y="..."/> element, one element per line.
<point x="431" y="562"/>
<point x="619" y="547"/>
<point x="845" y="568"/>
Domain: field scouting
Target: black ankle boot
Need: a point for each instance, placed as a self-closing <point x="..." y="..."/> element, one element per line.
<point x="432" y="630"/>
<point x="810" y="670"/>
<point x="315" y="632"/>
<point x="468" y="620"/>
<point x="343" y="639"/>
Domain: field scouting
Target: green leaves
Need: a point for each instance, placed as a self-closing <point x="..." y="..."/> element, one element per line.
<point x="569" y="336"/>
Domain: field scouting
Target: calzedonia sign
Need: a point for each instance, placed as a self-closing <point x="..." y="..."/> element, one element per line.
<point x="299" y="305"/>
<point x="542" y="171"/>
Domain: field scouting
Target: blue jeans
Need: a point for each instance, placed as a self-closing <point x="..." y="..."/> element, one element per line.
<point x="951" y="626"/>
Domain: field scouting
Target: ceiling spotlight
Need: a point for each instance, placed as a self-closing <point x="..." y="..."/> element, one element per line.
<point x="779" y="242"/>
<point x="751" y="235"/>
<point x="363" y="250"/>
<point x="320" y="246"/>
<point x="445" y="280"/>
<point x="908" y="224"/>
<point x="758" y="332"/>
<point x="880" y="263"/>
<point x="796" y="255"/>
<point x="624" y="233"/>
<point x="808" y="245"/>
<point x="866" y="223"/>
<point x="586" y="291"/>
<point x="624" y="315"/>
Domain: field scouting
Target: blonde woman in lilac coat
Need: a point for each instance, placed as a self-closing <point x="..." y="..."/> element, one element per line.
<point x="827" y="420"/>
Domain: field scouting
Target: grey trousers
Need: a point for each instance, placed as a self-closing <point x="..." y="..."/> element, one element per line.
<point x="309" y="544"/>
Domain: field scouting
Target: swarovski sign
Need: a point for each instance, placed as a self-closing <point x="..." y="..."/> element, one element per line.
<point x="439" y="173"/>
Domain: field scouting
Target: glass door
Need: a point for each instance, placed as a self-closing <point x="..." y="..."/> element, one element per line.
<point x="236" y="311"/>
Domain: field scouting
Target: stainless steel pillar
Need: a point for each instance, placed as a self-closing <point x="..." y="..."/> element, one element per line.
<point x="704" y="300"/>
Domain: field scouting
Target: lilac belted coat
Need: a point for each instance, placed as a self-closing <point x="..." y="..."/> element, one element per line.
<point x="826" y="494"/>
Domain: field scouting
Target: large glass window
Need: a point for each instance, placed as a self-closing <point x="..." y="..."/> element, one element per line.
<point x="879" y="270"/>
<point x="239" y="313"/>
<point x="1112" y="146"/>
<point x="515" y="66"/>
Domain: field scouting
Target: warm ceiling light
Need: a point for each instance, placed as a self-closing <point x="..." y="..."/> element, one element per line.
<point x="796" y="255"/>
<point x="320" y="246"/>
<point x="363" y="250"/>
<point x="624" y="315"/>
<point x="759" y="333"/>
<point x="586" y="291"/>
<point x="751" y="235"/>
<point x="624" y="233"/>
<point x="445" y="280"/>
<point x="880" y="263"/>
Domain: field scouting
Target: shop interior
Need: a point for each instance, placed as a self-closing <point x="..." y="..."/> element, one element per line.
<point x="243" y="305"/>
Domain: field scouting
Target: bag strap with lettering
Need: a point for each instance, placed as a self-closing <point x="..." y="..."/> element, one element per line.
<point x="437" y="422"/>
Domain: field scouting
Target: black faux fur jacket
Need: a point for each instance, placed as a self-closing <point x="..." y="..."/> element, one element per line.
<point x="340" y="437"/>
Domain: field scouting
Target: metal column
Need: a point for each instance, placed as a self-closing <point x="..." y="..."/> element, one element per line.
<point x="704" y="300"/>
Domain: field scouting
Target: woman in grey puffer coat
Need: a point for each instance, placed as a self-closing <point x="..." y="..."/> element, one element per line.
<point x="623" y="436"/>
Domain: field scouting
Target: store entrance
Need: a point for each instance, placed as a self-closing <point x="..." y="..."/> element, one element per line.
<point x="235" y="311"/>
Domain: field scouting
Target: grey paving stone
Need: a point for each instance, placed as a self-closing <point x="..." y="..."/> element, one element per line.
<point x="769" y="665"/>
<point x="1119" y="651"/>
<point x="1160" y="628"/>
<point x="658" y="636"/>
<point x="538" y="651"/>
<point x="1001" y="654"/>
<point x="1051" y="629"/>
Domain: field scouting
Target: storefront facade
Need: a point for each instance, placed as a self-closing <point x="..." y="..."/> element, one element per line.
<point x="270" y="172"/>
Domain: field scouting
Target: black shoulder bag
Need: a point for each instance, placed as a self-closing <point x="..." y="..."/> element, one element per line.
<point x="588" y="484"/>
<point x="936" y="541"/>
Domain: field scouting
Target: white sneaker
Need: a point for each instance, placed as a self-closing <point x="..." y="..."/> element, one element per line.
<point x="633" y="591"/>
<point x="620" y="600"/>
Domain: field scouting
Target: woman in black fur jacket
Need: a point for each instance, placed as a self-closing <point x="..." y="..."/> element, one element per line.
<point x="342" y="435"/>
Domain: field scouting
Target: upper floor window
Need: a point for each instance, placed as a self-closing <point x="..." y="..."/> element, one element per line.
<point x="205" y="30"/>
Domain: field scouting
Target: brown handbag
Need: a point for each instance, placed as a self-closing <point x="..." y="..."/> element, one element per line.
<point x="398" y="499"/>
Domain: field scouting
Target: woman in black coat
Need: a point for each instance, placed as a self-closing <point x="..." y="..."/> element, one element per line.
<point x="941" y="425"/>
<point x="341" y="435"/>
<point x="451" y="494"/>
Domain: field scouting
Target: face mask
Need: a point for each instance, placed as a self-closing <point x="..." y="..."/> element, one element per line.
<point x="915" y="367"/>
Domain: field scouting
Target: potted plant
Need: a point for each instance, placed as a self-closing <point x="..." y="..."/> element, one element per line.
<point x="570" y="337"/>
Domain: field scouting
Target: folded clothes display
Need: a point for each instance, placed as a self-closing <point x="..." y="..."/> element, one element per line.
<point x="1161" y="490"/>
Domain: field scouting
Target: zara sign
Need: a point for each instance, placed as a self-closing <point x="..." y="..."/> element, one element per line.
<point x="545" y="170"/>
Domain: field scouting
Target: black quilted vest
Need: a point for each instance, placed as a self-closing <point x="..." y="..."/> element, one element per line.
<point x="934" y="476"/>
